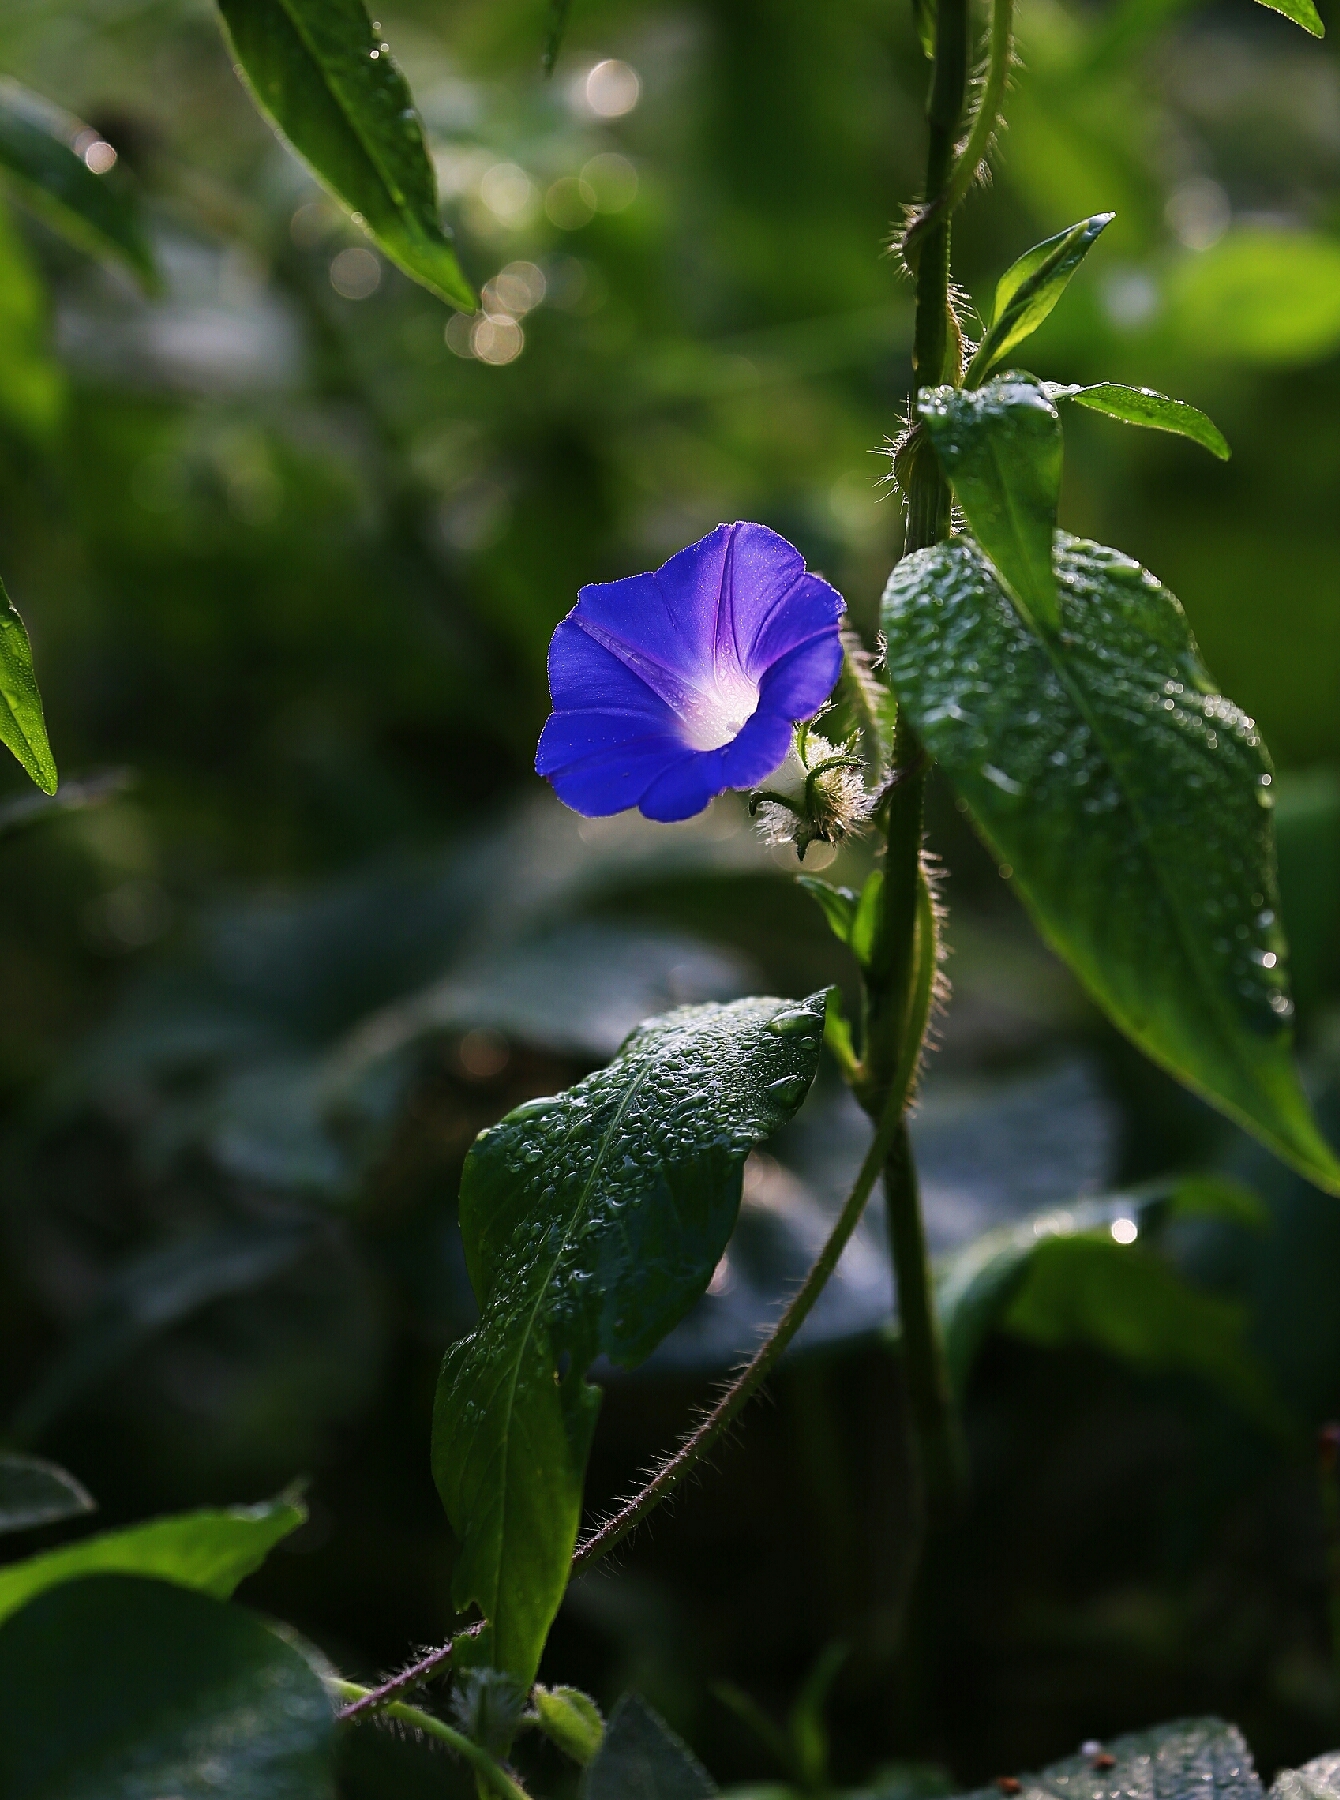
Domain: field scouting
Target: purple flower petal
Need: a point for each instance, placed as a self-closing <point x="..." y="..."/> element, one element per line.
<point x="670" y="688"/>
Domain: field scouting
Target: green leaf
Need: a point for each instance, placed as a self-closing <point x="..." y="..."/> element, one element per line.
<point x="328" y="83"/>
<point x="209" y="1550"/>
<point x="1192" y="1759"/>
<point x="865" y="925"/>
<point x="1000" y="446"/>
<point x="1142" y="406"/>
<point x="35" y="1492"/>
<point x="570" y="1719"/>
<point x="1317" y="1780"/>
<point x="1132" y="803"/>
<point x="177" y="1694"/>
<point x="838" y="905"/>
<point x="1127" y="1301"/>
<point x="642" y="1759"/>
<point x="1029" y="289"/>
<point x="592" y="1222"/>
<point x="39" y="164"/>
<point x="22" y="726"/>
<point x="1302" y="12"/>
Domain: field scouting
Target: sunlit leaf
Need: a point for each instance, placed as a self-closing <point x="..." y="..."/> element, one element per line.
<point x="35" y="1492"/>
<point x="1029" y="289"/>
<point x="1132" y="804"/>
<point x="328" y="82"/>
<point x="642" y="1759"/>
<point x="1000" y="446"/>
<point x="22" y="725"/>
<point x="1259" y="296"/>
<point x="1192" y="1759"/>
<point x="209" y="1550"/>
<point x="1142" y="406"/>
<point x="592" y="1222"/>
<point x="178" y="1695"/>
<point x="40" y="165"/>
<point x="1302" y="12"/>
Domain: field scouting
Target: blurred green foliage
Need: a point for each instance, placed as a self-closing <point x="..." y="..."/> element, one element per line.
<point x="290" y="539"/>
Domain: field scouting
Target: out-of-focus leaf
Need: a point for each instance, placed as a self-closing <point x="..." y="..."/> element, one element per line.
<point x="1000" y="446"/>
<point x="1132" y="804"/>
<point x="322" y="75"/>
<point x="1029" y="289"/>
<point x="642" y="1759"/>
<point x="1143" y="406"/>
<point x="1259" y="296"/>
<point x="150" y="1294"/>
<point x="178" y="1695"/>
<point x="1127" y="1301"/>
<point x="1191" y="1759"/>
<point x="39" y="163"/>
<point x="22" y="726"/>
<point x="210" y="1551"/>
<point x="592" y="1221"/>
<point x="32" y="386"/>
<point x="35" y="1492"/>
<point x="570" y="1719"/>
<point x="1316" y="1780"/>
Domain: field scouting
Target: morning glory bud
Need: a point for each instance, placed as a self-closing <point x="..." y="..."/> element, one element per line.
<point x="670" y="688"/>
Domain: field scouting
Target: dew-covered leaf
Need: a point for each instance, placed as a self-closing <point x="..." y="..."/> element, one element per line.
<point x="178" y="1694"/>
<point x="1316" y="1780"/>
<point x="22" y="726"/>
<point x="642" y="1759"/>
<point x="592" y="1222"/>
<point x="1000" y="446"/>
<point x="1144" y="406"/>
<point x="39" y="164"/>
<point x="1191" y="1759"/>
<point x="210" y="1550"/>
<point x="36" y="1492"/>
<point x="1131" y="803"/>
<point x="1029" y="289"/>
<point x="329" y="84"/>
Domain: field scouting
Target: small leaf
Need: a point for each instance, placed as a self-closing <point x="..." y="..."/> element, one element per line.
<point x="592" y="1222"/>
<point x="1302" y="12"/>
<point x="178" y="1695"/>
<point x="642" y="1759"/>
<point x="1192" y="1759"/>
<point x="1142" y="406"/>
<point x="210" y="1551"/>
<point x="35" y="1492"/>
<point x="1132" y="803"/>
<point x="39" y="163"/>
<point x="865" y="925"/>
<point x="923" y="17"/>
<point x="324" y="78"/>
<point x="570" y="1719"/>
<point x="22" y="726"/>
<point x="1316" y="1780"/>
<point x="1000" y="446"/>
<point x="1127" y="1301"/>
<point x="1029" y="289"/>
<point x="838" y="905"/>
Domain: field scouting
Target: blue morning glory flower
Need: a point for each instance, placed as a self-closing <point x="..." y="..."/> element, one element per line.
<point x="670" y="688"/>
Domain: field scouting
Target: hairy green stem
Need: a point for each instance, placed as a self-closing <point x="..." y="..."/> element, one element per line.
<point x="968" y="164"/>
<point x="491" y="1772"/>
<point x="747" y="1382"/>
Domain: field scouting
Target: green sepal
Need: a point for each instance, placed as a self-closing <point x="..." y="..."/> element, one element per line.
<point x="1000" y="447"/>
<point x="321" y="75"/>
<point x="1145" y="406"/>
<point x="1029" y="289"/>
